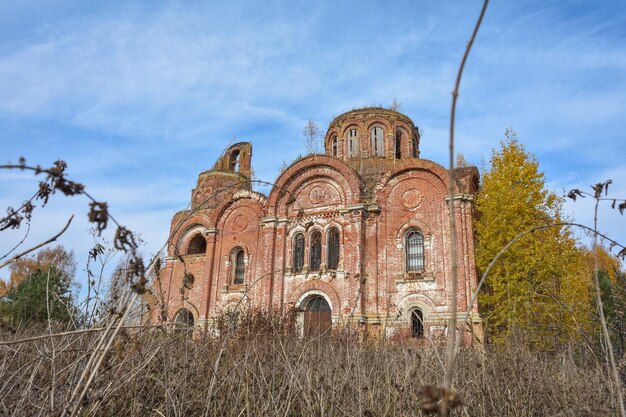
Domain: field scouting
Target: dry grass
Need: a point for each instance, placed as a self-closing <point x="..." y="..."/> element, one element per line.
<point x="266" y="370"/>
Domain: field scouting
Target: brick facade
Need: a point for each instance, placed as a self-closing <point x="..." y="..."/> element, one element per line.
<point x="372" y="188"/>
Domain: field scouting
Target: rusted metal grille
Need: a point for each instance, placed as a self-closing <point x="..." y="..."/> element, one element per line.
<point x="414" y="251"/>
<point x="417" y="323"/>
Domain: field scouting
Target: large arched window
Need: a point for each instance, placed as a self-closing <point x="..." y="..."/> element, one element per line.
<point x="417" y="323"/>
<point x="197" y="245"/>
<point x="353" y="143"/>
<point x="316" y="251"/>
<point x="378" y="142"/>
<point x="334" y="146"/>
<point x="414" y="250"/>
<point x="333" y="248"/>
<point x="298" y="252"/>
<point x="239" y="265"/>
<point x="398" y="144"/>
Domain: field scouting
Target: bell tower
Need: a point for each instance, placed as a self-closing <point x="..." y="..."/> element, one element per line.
<point x="231" y="173"/>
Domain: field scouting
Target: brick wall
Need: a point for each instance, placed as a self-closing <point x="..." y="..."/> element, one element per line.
<point x="373" y="201"/>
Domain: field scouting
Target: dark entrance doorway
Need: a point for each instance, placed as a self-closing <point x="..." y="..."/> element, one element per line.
<point x="317" y="317"/>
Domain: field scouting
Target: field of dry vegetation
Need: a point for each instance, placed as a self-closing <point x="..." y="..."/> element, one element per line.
<point x="262" y="368"/>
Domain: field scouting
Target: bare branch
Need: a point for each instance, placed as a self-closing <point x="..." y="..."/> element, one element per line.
<point x="445" y="405"/>
<point x="19" y="243"/>
<point x="52" y="239"/>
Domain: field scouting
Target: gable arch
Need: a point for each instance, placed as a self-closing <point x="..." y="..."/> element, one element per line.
<point x="408" y="166"/>
<point x="303" y="171"/>
<point x="251" y="199"/>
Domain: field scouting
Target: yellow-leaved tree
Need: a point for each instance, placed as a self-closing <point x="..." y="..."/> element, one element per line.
<point x="541" y="286"/>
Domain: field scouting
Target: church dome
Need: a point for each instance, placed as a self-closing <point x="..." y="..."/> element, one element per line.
<point x="372" y="132"/>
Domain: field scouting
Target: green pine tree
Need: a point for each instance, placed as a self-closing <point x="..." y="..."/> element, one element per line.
<point x="45" y="293"/>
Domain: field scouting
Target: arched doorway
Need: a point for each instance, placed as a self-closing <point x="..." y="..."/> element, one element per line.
<point x="184" y="317"/>
<point x="317" y="316"/>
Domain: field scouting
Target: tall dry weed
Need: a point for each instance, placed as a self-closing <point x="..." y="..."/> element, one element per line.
<point x="267" y="369"/>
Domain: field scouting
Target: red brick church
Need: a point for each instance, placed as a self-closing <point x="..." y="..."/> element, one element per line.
<point x="359" y="234"/>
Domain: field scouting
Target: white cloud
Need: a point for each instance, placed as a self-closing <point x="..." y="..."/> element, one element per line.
<point x="140" y="98"/>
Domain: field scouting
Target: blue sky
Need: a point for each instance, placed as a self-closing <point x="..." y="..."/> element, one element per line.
<point x="139" y="97"/>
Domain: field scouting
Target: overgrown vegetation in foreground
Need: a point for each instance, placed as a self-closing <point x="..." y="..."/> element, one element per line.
<point x="263" y="369"/>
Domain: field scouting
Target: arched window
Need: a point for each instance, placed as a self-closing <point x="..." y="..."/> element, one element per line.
<point x="353" y="143"/>
<point x="398" y="144"/>
<point x="239" y="266"/>
<point x="197" y="245"/>
<point x="317" y="303"/>
<point x="316" y="251"/>
<point x="333" y="248"/>
<point x="334" y="146"/>
<point x="414" y="250"/>
<point x="417" y="323"/>
<point x="378" y="142"/>
<point x="234" y="161"/>
<point x="184" y="316"/>
<point x="298" y="252"/>
<point x="414" y="147"/>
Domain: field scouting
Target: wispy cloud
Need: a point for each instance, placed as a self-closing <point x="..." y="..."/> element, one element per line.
<point x="140" y="97"/>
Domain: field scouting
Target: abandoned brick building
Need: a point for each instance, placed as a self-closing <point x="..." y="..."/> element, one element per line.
<point x="359" y="234"/>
